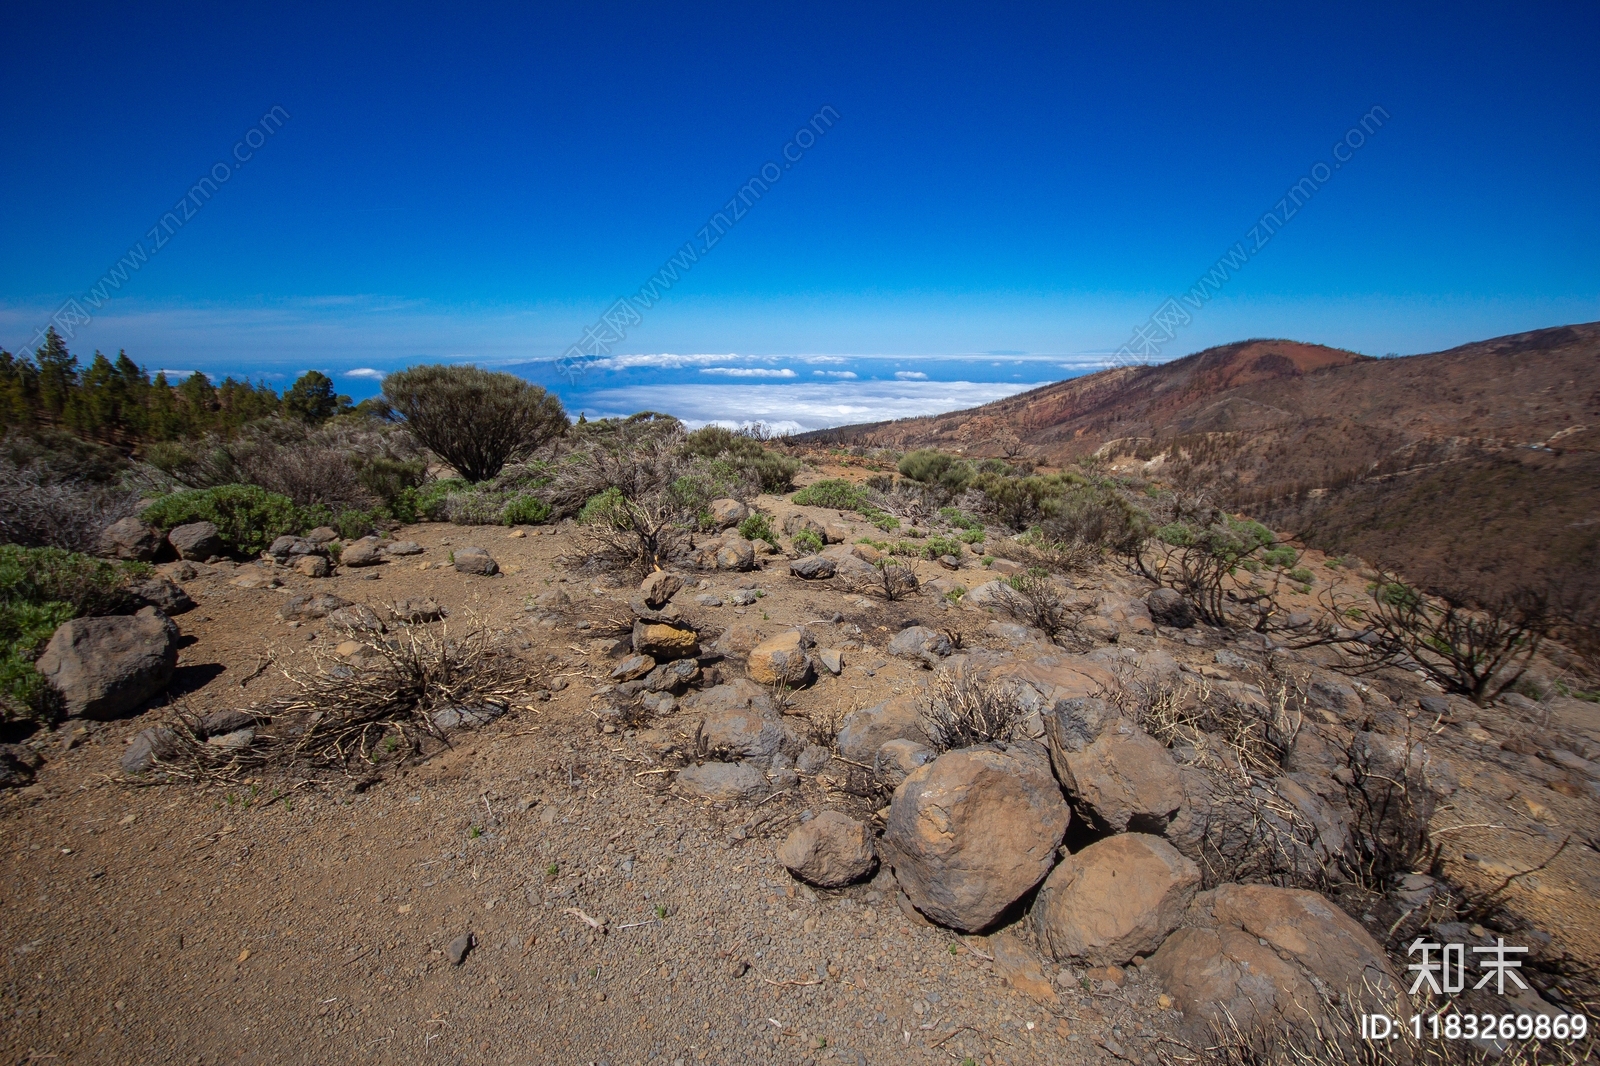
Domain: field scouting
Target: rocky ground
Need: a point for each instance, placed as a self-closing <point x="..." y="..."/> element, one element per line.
<point x="599" y="875"/>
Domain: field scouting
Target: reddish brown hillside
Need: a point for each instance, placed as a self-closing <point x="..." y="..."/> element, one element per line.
<point x="1340" y="445"/>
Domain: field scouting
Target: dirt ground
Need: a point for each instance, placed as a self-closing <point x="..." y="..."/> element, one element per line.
<point x="286" y="919"/>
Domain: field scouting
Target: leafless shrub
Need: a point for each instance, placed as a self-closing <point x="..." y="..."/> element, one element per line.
<point x="960" y="708"/>
<point x="1034" y="599"/>
<point x="1043" y="553"/>
<point x="354" y="719"/>
<point x="890" y="578"/>
<point x="1391" y="807"/>
<point x="36" y="511"/>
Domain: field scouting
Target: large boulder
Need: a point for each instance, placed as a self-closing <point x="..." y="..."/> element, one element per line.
<point x="475" y="561"/>
<point x="1269" y="960"/>
<point x="728" y="512"/>
<point x="664" y="641"/>
<point x="1124" y="781"/>
<point x="195" y="540"/>
<point x="1046" y="680"/>
<point x="733" y="552"/>
<point x="723" y="782"/>
<point x="971" y="832"/>
<point x="106" y="667"/>
<point x="740" y="694"/>
<point x="799" y="522"/>
<point x="132" y="539"/>
<point x="1117" y="898"/>
<point x="781" y="659"/>
<point x="898" y="760"/>
<point x="1168" y="608"/>
<point x="829" y="851"/>
<point x="862" y="733"/>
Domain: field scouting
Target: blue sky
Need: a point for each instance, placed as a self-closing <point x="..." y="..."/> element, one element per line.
<point x="482" y="183"/>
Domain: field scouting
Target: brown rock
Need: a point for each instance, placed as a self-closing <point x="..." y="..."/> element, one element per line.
<point x="726" y="782"/>
<point x="1017" y="963"/>
<point x="367" y="551"/>
<point x="1267" y="958"/>
<point x="475" y="561"/>
<point x="659" y="588"/>
<point x="974" y="830"/>
<point x="727" y="512"/>
<point x="195" y="540"/>
<point x="306" y="606"/>
<point x="898" y="760"/>
<point x="1117" y="898"/>
<point x="415" y="610"/>
<point x="736" y="553"/>
<point x="633" y="668"/>
<point x="781" y="659"/>
<point x="799" y="522"/>
<point x="357" y="616"/>
<point x="829" y="851"/>
<point x="1125" y="781"/>
<point x="312" y="565"/>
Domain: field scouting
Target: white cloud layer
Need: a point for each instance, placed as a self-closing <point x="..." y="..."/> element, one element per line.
<point x="748" y="371"/>
<point x="364" y="372"/>
<point x="910" y="375"/>
<point x="812" y="405"/>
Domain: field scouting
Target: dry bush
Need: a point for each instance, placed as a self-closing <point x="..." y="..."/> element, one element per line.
<point x="1032" y="598"/>
<point x="960" y="709"/>
<point x="355" y="719"/>
<point x="890" y="578"/>
<point x="1043" y="553"/>
<point x="39" y="512"/>
<point x="1391" y="806"/>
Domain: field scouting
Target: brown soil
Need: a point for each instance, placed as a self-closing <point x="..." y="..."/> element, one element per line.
<point x="286" y="919"/>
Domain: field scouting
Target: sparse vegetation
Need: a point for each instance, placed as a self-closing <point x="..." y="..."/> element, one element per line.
<point x="960" y="709"/>
<point x="1034" y="599"/>
<point x="806" y="542"/>
<point x="248" y="518"/>
<point x="757" y="526"/>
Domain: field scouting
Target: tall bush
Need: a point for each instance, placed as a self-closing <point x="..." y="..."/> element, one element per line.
<point x="476" y="420"/>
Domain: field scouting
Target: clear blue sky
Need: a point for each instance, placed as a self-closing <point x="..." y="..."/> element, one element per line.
<point x="480" y="182"/>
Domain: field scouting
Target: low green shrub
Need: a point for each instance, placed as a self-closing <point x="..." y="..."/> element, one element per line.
<point x="247" y="518"/>
<point x="836" y="493"/>
<point x="525" y="509"/>
<point x="937" y="546"/>
<point x="743" y="457"/>
<point x="758" y="527"/>
<point x="973" y="536"/>
<point x="807" y="543"/>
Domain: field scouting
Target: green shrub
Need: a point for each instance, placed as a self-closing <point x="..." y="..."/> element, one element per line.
<point x="353" y="524"/>
<point x="605" y="509"/>
<point x="388" y="479"/>
<point x="954" y="517"/>
<point x="247" y="518"/>
<point x="476" y="420"/>
<point x="937" y="546"/>
<point x="973" y="536"/>
<point x="835" y="493"/>
<point x="525" y="509"/>
<point x="936" y="470"/>
<point x="1300" y="574"/>
<point x="806" y="542"/>
<point x="758" y="527"/>
<point x="432" y="499"/>
<point x="744" y="457"/>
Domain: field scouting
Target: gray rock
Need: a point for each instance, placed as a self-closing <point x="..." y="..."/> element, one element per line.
<point x="742" y="597"/>
<point x="323" y="535"/>
<point x="705" y="599"/>
<point x="287" y="549"/>
<point x="740" y="694"/>
<point x="308" y="606"/>
<point x="1168" y="608"/>
<point x="459" y="948"/>
<point x="158" y="592"/>
<point x="633" y="668"/>
<point x="733" y="736"/>
<point x="416" y="610"/>
<point x="237" y="740"/>
<point x="219" y="722"/>
<point x="674" y="676"/>
<point x="404" y="547"/>
<point x="132" y="539"/>
<point x="357" y="616"/>
<point x="799" y="522"/>
<point x="368" y="551"/>
<point x="813" y="759"/>
<point x="475" y="561"/>
<point x="863" y="732"/>
<point x="725" y="782"/>
<point x="160" y="742"/>
<point x="105" y="667"/>
<point x="832" y="660"/>
<point x="829" y="851"/>
<point x="195" y="540"/>
<point x="812" y="568"/>
<point x="920" y="642"/>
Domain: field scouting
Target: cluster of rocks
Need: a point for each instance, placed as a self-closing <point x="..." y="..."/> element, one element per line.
<point x="974" y="839"/>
